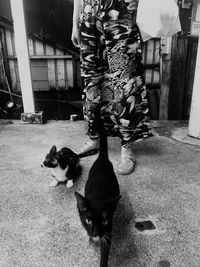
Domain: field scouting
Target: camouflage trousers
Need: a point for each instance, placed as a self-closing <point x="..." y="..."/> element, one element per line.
<point x="112" y="69"/>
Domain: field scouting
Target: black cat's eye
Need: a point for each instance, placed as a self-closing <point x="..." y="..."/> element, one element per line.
<point x="88" y="221"/>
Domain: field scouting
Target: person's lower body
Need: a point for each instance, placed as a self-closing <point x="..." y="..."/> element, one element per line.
<point x="112" y="71"/>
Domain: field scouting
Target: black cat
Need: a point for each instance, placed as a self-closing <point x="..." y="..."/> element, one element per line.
<point x="97" y="207"/>
<point x="64" y="165"/>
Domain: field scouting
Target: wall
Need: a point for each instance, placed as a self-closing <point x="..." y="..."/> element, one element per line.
<point x="52" y="68"/>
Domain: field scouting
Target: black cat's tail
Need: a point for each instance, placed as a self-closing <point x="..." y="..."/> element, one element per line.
<point x="105" y="249"/>
<point x="100" y="128"/>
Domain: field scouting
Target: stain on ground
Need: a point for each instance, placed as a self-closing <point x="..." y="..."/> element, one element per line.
<point x="5" y="122"/>
<point x="145" y="225"/>
<point x="163" y="264"/>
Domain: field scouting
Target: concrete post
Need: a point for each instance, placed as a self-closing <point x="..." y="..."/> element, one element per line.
<point x="21" y="46"/>
<point x="194" y="121"/>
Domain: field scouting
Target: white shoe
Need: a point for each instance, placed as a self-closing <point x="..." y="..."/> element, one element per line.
<point x="69" y="183"/>
<point x="128" y="161"/>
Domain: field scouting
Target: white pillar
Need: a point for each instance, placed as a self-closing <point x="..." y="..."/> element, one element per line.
<point x="21" y="46"/>
<point x="194" y="121"/>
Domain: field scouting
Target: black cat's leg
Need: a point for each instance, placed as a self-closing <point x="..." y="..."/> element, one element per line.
<point x="70" y="175"/>
<point x="105" y="249"/>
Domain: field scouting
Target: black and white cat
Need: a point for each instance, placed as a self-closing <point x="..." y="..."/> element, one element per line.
<point x="64" y="165"/>
<point x="96" y="208"/>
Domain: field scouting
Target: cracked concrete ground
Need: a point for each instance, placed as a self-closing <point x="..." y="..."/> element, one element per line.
<point x="39" y="225"/>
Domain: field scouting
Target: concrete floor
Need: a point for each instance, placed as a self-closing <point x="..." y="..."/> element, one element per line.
<point x="39" y="225"/>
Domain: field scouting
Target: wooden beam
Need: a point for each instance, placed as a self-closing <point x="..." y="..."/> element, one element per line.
<point x="21" y="44"/>
<point x="194" y="121"/>
<point x="50" y="57"/>
<point x="165" y="77"/>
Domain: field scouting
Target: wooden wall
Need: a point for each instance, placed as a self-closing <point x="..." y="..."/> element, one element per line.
<point x="51" y="67"/>
<point x="151" y="60"/>
<point x="152" y="64"/>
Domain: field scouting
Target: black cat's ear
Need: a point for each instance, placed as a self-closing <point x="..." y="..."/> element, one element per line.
<point x="81" y="201"/>
<point x="53" y="150"/>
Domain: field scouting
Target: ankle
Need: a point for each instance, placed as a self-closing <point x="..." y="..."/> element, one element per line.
<point x="94" y="142"/>
<point x="90" y="147"/>
<point x="127" y="144"/>
<point x="92" y="139"/>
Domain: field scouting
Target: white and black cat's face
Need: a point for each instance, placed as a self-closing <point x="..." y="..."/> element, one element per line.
<point x="97" y="222"/>
<point x="51" y="160"/>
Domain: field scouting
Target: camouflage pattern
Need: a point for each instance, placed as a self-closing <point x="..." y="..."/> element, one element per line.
<point x="112" y="69"/>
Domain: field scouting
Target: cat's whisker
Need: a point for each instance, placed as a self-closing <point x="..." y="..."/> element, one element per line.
<point x="102" y="240"/>
<point x="105" y="242"/>
<point x="107" y="237"/>
<point x="89" y="241"/>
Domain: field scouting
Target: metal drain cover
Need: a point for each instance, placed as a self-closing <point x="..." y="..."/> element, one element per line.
<point x="145" y="225"/>
<point x="164" y="264"/>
